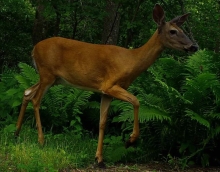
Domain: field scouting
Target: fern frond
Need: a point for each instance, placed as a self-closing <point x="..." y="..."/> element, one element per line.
<point x="150" y="98"/>
<point x="161" y="69"/>
<point x="152" y="114"/>
<point x="28" y="72"/>
<point x="215" y="116"/>
<point x="77" y="99"/>
<point x="25" y="83"/>
<point x="145" y="114"/>
<point x="116" y="150"/>
<point x="197" y="63"/>
<point x="198" y="118"/>
<point x="118" y="106"/>
<point x="54" y="99"/>
<point x="172" y="92"/>
<point x="216" y="131"/>
<point x="93" y="105"/>
<point x="200" y="86"/>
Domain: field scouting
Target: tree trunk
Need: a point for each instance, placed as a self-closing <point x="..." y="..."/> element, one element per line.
<point x="38" y="28"/>
<point x="217" y="47"/>
<point x="74" y="23"/>
<point x="57" y="22"/>
<point x="111" y="23"/>
<point x="130" y="31"/>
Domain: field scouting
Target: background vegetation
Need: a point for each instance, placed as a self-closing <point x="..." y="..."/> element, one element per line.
<point x="179" y="94"/>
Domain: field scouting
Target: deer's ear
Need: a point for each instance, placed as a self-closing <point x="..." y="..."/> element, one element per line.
<point x="180" y="19"/>
<point x="158" y="15"/>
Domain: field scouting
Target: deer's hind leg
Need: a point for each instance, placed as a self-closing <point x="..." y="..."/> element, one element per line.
<point x="35" y="94"/>
<point x="44" y="85"/>
<point x="28" y="95"/>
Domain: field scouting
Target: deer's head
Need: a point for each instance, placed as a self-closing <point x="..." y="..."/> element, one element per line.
<point x="171" y="35"/>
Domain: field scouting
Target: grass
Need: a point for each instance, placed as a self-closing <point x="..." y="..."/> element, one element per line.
<point x="60" y="151"/>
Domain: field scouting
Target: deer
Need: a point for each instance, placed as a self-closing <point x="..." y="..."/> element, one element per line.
<point x="106" y="69"/>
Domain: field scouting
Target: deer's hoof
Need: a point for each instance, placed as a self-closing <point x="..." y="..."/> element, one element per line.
<point x="130" y="144"/>
<point x="16" y="136"/>
<point x="101" y="165"/>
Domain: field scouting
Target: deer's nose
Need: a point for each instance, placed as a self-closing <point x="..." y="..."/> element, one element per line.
<point x="193" y="48"/>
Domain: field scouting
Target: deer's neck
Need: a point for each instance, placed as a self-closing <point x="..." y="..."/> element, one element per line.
<point x="148" y="53"/>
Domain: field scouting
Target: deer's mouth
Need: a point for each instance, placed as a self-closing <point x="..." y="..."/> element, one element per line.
<point x="191" y="48"/>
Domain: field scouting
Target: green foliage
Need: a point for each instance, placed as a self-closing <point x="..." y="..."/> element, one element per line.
<point x="10" y="97"/>
<point x="146" y="113"/>
<point x="198" y="118"/>
<point x="115" y="150"/>
<point x="15" y="25"/>
<point x="27" y="75"/>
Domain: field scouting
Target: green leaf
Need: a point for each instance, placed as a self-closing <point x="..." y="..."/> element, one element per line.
<point x="146" y="113"/>
<point x="11" y="92"/>
<point x="16" y="103"/>
<point x="198" y="118"/>
<point x="10" y="128"/>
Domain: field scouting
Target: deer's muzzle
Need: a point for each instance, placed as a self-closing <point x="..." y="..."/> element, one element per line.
<point x="191" y="48"/>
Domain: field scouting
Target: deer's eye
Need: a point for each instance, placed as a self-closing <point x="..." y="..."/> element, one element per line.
<point x="173" y="32"/>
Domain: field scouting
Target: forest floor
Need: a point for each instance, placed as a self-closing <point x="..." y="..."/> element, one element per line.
<point x="150" y="167"/>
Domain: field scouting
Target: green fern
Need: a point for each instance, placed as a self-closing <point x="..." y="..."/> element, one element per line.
<point x="201" y="120"/>
<point x="77" y="99"/>
<point x="115" y="150"/>
<point x="93" y="105"/>
<point x="173" y="94"/>
<point x="203" y="92"/>
<point x="202" y="62"/>
<point x="27" y="76"/>
<point x="162" y="69"/>
<point x="53" y="100"/>
<point x="151" y="113"/>
<point x="118" y="106"/>
<point x="202" y="82"/>
<point x="145" y="114"/>
<point x="215" y="132"/>
<point x="215" y="116"/>
<point x="197" y="63"/>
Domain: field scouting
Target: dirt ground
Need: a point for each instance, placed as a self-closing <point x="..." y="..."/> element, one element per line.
<point x="150" y="167"/>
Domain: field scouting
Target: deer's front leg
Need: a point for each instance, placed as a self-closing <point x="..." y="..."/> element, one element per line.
<point x="124" y="95"/>
<point x="105" y="103"/>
